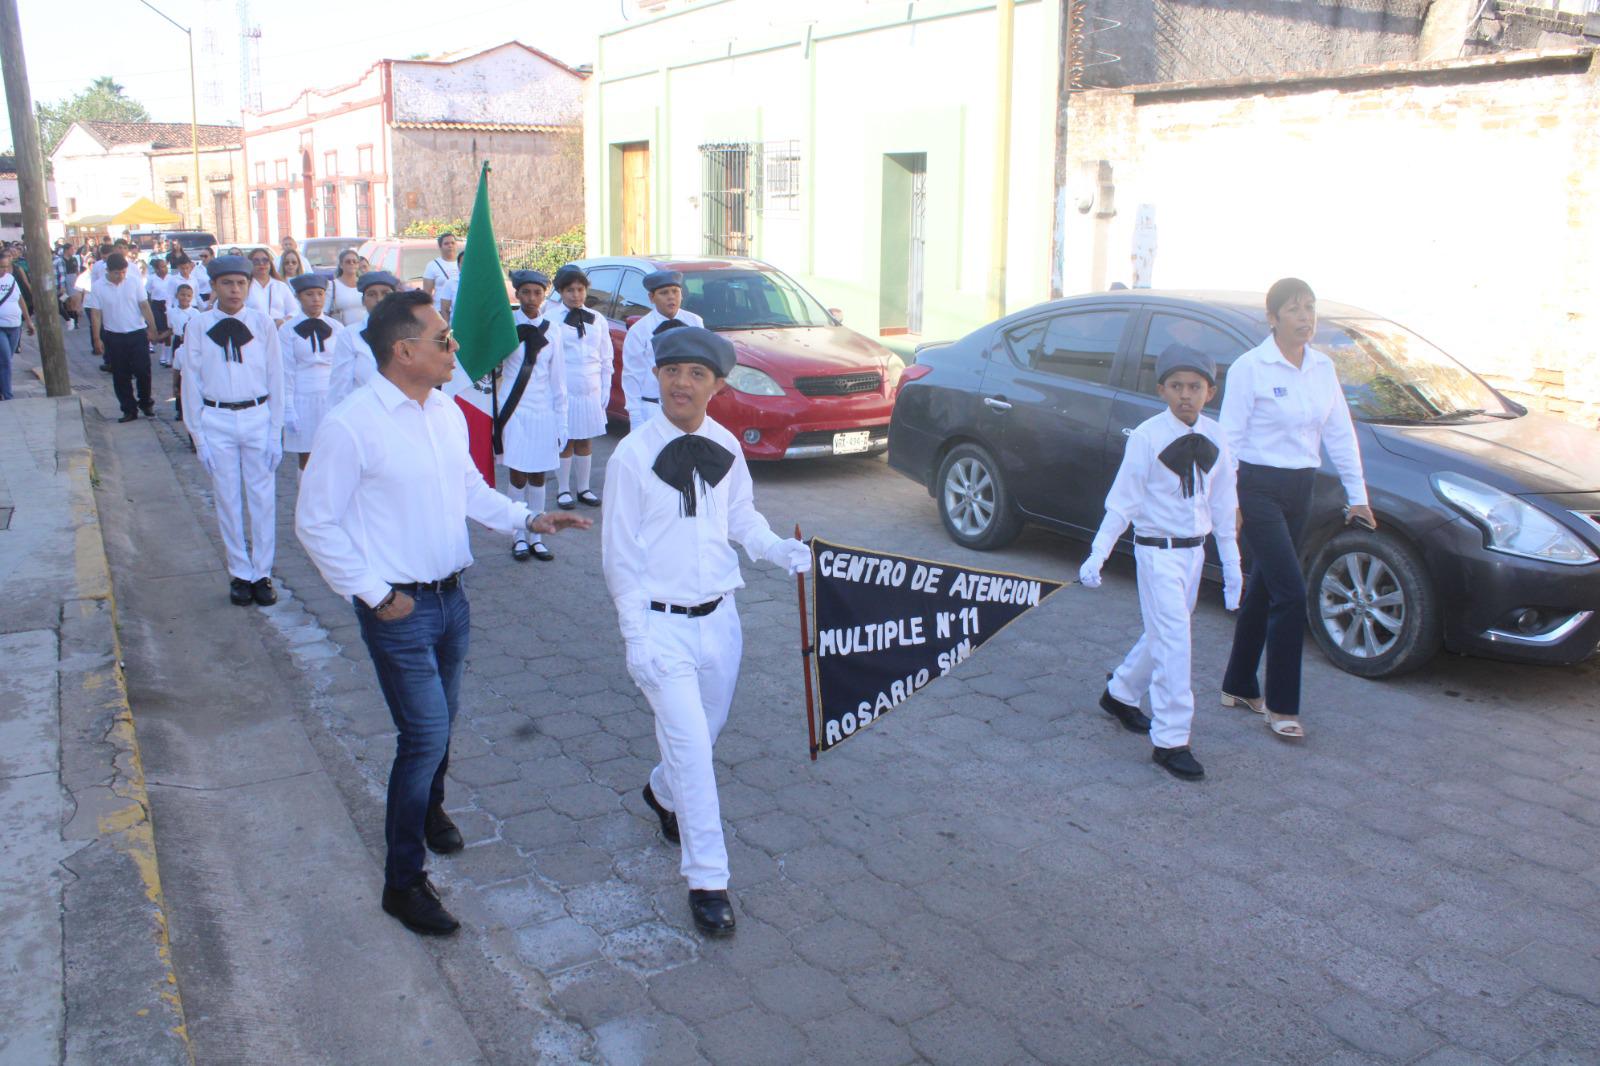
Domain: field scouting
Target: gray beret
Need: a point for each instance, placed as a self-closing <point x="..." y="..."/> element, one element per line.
<point x="691" y="344"/>
<point x="661" y="279"/>
<point x="306" y="282"/>
<point x="519" y="278"/>
<point x="223" y="265"/>
<point x="568" y="274"/>
<point x="1177" y="357"/>
<point x="376" y="277"/>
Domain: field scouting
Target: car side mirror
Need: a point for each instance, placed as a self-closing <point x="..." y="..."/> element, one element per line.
<point x="838" y="315"/>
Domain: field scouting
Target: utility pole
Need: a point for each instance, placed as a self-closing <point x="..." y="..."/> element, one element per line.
<point x="194" y="118"/>
<point x="1000" y="204"/>
<point x="35" y="203"/>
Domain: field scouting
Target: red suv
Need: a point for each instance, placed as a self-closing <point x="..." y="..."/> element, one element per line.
<point x="805" y="386"/>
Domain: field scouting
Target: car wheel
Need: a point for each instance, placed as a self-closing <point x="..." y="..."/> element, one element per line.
<point x="974" y="503"/>
<point x="1371" y="605"/>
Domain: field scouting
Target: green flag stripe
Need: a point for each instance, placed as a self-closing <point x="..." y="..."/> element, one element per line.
<point x="481" y="314"/>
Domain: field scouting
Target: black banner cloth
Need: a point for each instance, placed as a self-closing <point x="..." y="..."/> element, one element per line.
<point x="887" y="625"/>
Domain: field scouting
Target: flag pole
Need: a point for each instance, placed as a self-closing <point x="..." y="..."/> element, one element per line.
<point x="805" y="652"/>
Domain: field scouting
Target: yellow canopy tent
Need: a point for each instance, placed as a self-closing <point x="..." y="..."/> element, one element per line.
<point x="145" y="212"/>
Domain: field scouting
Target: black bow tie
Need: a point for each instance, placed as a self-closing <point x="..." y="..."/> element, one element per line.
<point x="533" y="340"/>
<point x="670" y="323"/>
<point x="1190" y="456"/>
<point x="687" y="456"/>
<point x="231" y="336"/>
<point x="577" y="317"/>
<point x="316" y="331"/>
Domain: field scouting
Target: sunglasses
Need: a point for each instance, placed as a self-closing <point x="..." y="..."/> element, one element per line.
<point x="258" y="260"/>
<point x="444" y="341"/>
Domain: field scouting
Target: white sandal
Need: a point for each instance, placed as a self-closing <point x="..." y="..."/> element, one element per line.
<point x="1258" y="704"/>
<point x="1286" y="725"/>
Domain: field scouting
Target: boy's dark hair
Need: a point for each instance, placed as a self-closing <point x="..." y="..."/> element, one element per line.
<point x="439" y="240"/>
<point x="393" y="320"/>
<point x="116" y="261"/>
<point x="1285" y="291"/>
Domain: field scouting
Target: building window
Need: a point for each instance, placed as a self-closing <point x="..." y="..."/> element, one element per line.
<point x="175" y="202"/>
<point x="330" y="210"/>
<point x="330" y="164"/>
<point x="282" y="170"/>
<point x="72" y="205"/>
<point x="364" y="159"/>
<point x="285" y="224"/>
<point x="780" y="178"/>
<point x="725" y="195"/>
<point x="363" y="208"/>
<point x="10" y="220"/>
<point x="258" y="208"/>
<point x="222" y="216"/>
<point x="305" y="140"/>
<point x="261" y="173"/>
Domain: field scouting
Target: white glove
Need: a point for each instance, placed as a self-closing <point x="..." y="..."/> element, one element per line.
<point x="1089" y="572"/>
<point x="790" y="554"/>
<point x="642" y="666"/>
<point x="1232" y="585"/>
<point x="274" y="453"/>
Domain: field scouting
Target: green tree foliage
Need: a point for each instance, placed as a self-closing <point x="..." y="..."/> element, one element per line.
<point x="103" y="101"/>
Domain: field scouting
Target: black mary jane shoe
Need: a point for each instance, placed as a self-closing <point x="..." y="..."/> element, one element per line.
<point x="712" y="911"/>
<point x="240" y="592"/>
<point x="588" y="499"/>
<point x="263" y="592"/>
<point x="669" y="821"/>
<point x="1179" y="762"/>
<point x="519" y="550"/>
<point x="564" y="501"/>
<point x="418" y="908"/>
<point x="1132" y="718"/>
<point x="441" y="833"/>
<point x="540" y="552"/>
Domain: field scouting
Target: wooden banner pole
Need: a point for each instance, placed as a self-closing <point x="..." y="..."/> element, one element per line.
<point x="805" y="652"/>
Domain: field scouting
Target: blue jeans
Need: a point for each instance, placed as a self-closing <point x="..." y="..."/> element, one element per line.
<point x="1275" y="503"/>
<point x="419" y="660"/>
<point x="10" y="341"/>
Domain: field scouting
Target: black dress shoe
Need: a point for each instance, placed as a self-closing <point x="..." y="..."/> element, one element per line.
<point x="263" y="592"/>
<point x="419" y="909"/>
<point x="149" y="412"/>
<point x="564" y="501"/>
<point x="134" y="417"/>
<point x="669" y="821"/>
<point x="240" y="592"/>
<point x="540" y="552"/>
<point x="1132" y="718"/>
<point x="441" y="833"/>
<point x="713" y="913"/>
<point x="588" y="499"/>
<point x="519" y="550"/>
<point x="1179" y="762"/>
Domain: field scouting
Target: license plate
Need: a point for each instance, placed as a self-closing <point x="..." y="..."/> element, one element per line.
<point x="852" y="443"/>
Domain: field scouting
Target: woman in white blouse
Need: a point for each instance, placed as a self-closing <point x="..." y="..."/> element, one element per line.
<point x="344" y="298"/>
<point x="1282" y="405"/>
<point x="268" y="293"/>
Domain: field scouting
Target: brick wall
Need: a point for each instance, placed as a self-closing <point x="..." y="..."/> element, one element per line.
<point x="535" y="189"/>
<point x="1457" y="198"/>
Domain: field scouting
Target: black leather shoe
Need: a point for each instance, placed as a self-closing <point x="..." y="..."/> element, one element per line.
<point x="1132" y="718"/>
<point x="134" y="417"/>
<point x="1179" y="762"/>
<point x="713" y="913"/>
<point x="669" y="821"/>
<point x="588" y="499"/>
<point x="419" y="909"/>
<point x="240" y="592"/>
<point x="263" y="592"/>
<point x="149" y="412"/>
<point x="441" y="833"/>
<point x="519" y="550"/>
<point x="540" y="552"/>
<point x="564" y="501"/>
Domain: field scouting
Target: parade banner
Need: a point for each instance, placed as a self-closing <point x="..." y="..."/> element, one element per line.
<point x="888" y="625"/>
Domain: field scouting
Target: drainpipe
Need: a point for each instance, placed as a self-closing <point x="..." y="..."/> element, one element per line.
<point x="1003" y="11"/>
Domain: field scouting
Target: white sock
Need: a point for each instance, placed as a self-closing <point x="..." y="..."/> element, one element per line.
<point x="580" y="472"/>
<point x="533" y="496"/>
<point x="564" y="475"/>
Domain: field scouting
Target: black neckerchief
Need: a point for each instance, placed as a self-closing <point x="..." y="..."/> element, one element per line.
<point x="533" y="339"/>
<point x="666" y="324"/>
<point x="1190" y="457"/>
<point x="687" y="456"/>
<point x="577" y="317"/>
<point x="231" y="336"/>
<point x="316" y="331"/>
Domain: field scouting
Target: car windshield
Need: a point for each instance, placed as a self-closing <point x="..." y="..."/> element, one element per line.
<point x="413" y="261"/>
<point x="1390" y="374"/>
<point x="750" y="299"/>
<point x="323" y="254"/>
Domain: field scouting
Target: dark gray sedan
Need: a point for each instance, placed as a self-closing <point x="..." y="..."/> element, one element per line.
<point x="1489" y="515"/>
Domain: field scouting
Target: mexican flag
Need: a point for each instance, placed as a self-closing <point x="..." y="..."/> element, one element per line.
<point x="481" y="318"/>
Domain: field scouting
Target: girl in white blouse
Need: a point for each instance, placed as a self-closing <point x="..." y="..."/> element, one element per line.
<point x="344" y="297"/>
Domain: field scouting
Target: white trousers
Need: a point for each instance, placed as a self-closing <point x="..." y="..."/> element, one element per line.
<point x="1169" y="580"/>
<point x="699" y="662"/>
<point x="238" y="444"/>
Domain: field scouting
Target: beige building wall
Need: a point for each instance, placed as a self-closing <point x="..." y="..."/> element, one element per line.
<point x="1458" y="198"/>
<point x="221" y="174"/>
<point x="535" y="185"/>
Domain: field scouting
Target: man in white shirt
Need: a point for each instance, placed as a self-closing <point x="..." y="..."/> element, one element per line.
<point x="382" y="512"/>
<point x="444" y="268"/>
<point x="13" y="317"/>
<point x="121" y="331"/>
<point x="638" y="359"/>
<point x="353" y="364"/>
<point x="234" y="396"/>
<point x="676" y="490"/>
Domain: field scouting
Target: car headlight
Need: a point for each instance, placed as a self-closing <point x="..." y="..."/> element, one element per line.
<point x="753" y="382"/>
<point x="1511" y="525"/>
<point x="893" y="367"/>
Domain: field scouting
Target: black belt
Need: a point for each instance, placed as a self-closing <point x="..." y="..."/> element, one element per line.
<point x="444" y="584"/>
<point x="1170" y="542"/>
<point x="235" y="405"/>
<point x="699" y="610"/>
<point x="651" y="399"/>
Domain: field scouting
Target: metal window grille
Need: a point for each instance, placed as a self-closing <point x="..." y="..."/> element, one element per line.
<point x="780" y="178"/>
<point x="363" y="209"/>
<point x="727" y="187"/>
<point x="330" y="208"/>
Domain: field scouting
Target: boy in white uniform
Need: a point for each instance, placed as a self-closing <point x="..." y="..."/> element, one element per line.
<point x="1175" y="485"/>
<point x="677" y="490"/>
<point x="179" y="315"/>
<point x="353" y="364"/>
<point x="307" y="341"/>
<point x="531" y="428"/>
<point x="638" y="360"/>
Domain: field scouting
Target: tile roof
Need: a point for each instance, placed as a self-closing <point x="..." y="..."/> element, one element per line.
<point x="162" y="134"/>
<point x="488" y="127"/>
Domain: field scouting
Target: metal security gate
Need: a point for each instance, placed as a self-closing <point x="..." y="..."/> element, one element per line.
<point x="728" y="185"/>
<point x="919" y="243"/>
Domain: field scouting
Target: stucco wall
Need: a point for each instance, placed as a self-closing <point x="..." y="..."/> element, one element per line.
<point x="1459" y="199"/>
<point x="93" y="181"/>
<point x="505" y="84"/>
<point x="535" y="187"/>
<point x="221" y="170"/>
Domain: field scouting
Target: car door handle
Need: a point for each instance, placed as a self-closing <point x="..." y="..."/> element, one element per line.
<point x="997" y="404"/>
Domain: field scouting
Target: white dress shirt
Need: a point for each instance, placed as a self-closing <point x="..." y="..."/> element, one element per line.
<point x="353" y="362"/>
<point x="1149" y="495"/>
<point x="274" y="299"/>
<point x="179" y="319"/>
<point x="639" y="356"/>
<point x="1277" y="414"/>
<point x="440" y="271"/>
<point x="198" y="280"/>
<point x="158" y="288"/>
<point x="118" y="304"/>
<point x="209" y="375"/>
<point x="388" y="491"/>
<point x="650" y="551"/>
